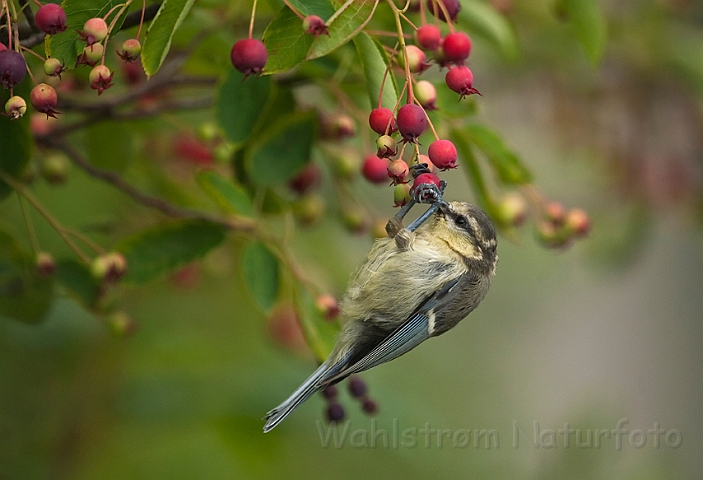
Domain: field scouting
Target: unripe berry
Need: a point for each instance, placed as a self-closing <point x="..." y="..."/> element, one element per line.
<point x="417" y="60"/>
<point x="401" y="194"/>
<point x="46" y="266"/>
<point x="577" y="221"/>
<point x="44" y="98"/>
<point x="354" y="219"/>
<point x="452" y="6"/>
<point x="15" y="107"/>
<point x="461" y="80"/>
<point x="109" y="268"/>
<point x="92" y="54"/>
<point x="386" y="146"/>
<point x="555" y="213"/>
<point x="343" y="126"/>
<point x="335" y="413"/>
<point x="345" y="162"/>
<point x="53" y="67"/>
<point x="412" y="121"/>
<point x="426" y="94"/>
<point x="13" y="68"/>
<point x="375" y="169"/>
<point x="328" y="306"/>
<point x="443" y="154"/>
<point x="306" y="180"/>
<point x="50" y="19"/>
<point x="54" y="168"/>
<point x="249" y="56"/>
<point x="397" y="171"/>
<point x="121" y="324"/>
<point x="512" y="210"/>
<point x="308" y="209"/>
<point x="314" y="25"/>
<point x="428" y="37"/>
<point x="357" y="387"/>
<point x="550" y="235"/>
<point x="382" y="121"/>
<point x="100" y="78"/>
<point x="131" y="48"/>
<point x="94" y="30"/>
<point x="456" y="48"/>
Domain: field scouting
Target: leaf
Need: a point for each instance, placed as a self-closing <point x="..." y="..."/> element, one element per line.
<point x="160" y="33"/>
<point x="67" y="45"/>
<point x="283" y="150"/>
<point x="15" y="146"/>
<point x="321" y="8"/>
<point x="487" y="22"/>
<point x="374" y="62"/>
<point x="261" y="273"/>
<point x="505" y="163"/>
<point x="319" y="333"/>
<point x="80" y="284"/>
<point x="344" y="27"/>
<point x="240" y="104"/>
<point x="473" y="172"/>
<point x="24" y="294"/>
<point x="158" y="251"/>
<point x="589" y="26"/>
<point x="225" y="193"/>
<point x="109" y="145"/>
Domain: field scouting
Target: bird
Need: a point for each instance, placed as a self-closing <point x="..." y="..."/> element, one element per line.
<point x="412" y="286"/>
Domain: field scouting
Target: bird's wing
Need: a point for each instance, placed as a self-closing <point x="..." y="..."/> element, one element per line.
<point x="415" y="330"/>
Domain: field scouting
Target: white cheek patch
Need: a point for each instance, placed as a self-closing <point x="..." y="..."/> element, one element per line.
<point x="430" y="322"/>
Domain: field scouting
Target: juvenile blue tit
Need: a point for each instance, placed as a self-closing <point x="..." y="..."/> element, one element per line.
<point x="411" y="287"/>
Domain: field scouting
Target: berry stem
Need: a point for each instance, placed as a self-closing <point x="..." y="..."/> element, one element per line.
<point x="293" y="9"/>
<point x="9" y="24"/>
<point x="423" y="14"/>
<point x="29" y="50"/>
<point x="385" y="75"/>
<point x="141" y="19"/>
<point x="428" y="120"/>
<point x="445" y="12"/>
<point x="339" y="12"/>
<point x="251" y="20"/>
<point x="401" y="40"/>
<point x="124" y="6"/>
<point x="402" y="15"/>
<point x="28" y="222"/>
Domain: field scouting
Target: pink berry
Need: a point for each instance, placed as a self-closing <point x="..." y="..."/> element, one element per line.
<point x="100" y="78"/>
<point x="412" y="121"/>
<point x="50" y="19"/>
<point x="94" y="30"/>
<point x="397" y="171"/>
<point x="327" y="306"/>
<point x="15" y="107"/>
<point x="13" y="68"/>
<point x="417" y="60"/>
<point x="131" y="48"/>
<point x="428" y="37"/>
<point x="443" y="154"/>
<point x="424" y="159"/>
<point x="375" y="169"/>
<point x="249" y="56"/>
<point x="461" y="80"/>
<point x="578" y="222"/>
<point x="456" y="48"/>
<point x="314" y="25"/>
<point x="2" y="47"/>
<point x="452" y="6"/>
<point x="382" y="121"/>
<point x="426" y="94"/>
<point x="44" y="99"/>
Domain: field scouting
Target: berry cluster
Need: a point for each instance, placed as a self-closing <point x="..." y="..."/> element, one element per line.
<point x="334" y="411"/>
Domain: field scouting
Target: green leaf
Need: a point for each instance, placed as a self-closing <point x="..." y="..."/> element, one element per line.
<point x="282" y="150"/>
<point x="240" y="104"/>
<point x="485" y="21"/>
<point x="319" y="333"/>
<point x="473" y="171"/>
<point x="67" y="45"/>
<point x="160" y="33"/>
<point x="79" y="283"/>
<point x="225" y="193"/>
<point x="344" y="27"/>
<point x="161" y="250"/>
<point x="589" y="26"/>
<point x="15" y="147"/>
<point x="109" y="145"/>
<point x="24" y="295"/>
<point x="261" y="273"/>
<point x="374" y="61"/>
<point x="321" y="8"/>
<point x="286" y="42"/>
<point x="506" y="164"/>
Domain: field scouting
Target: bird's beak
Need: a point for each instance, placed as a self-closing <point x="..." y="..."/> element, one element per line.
<point x="444" y="208"/>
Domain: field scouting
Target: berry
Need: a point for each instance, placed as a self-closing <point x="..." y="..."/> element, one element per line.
<point x="412" y="121"/>
<point x="44" y="99"/>
<point x="382" y="121"/>
<point x="50" y="19"/>
<point x="15" y="107"/>
<point x="357" y="387"/>
<point x="308" y="209"/>
<point x="461" y="80"/>
<point x="100" y="78"/>
<point x="417" y="60"/>
<point x="330" y="392"/>
<point x="13" y="68"/>
<point x="401" y="194"/>
<point x="345" y="163"/>
<point x="443" y="154"/>
<point x="109" y="268"/>
<point x="192" y="150"/>
<point x="375" y="169"/>
<point x="328" y="306"/>
<point x="424" y="159"/>
<point x="249" y="56"/>
<point x="577" y="221"/>
<point x="354" y="219"/>
<point x="2" y="47"/>
<point x="92" y="54"/>
<point x="121" y="324"/>
<point x="306" y="180"/>
<point x="512" y="210"/>
<point x="397" y="171"/>
<point x="343" y="126"/>
<point x="131" y="48"/>
<point x="284" y="328"/>
<point x="53" y="67"/>
<point x="428" y="37"/>
<point x="554" y="213"/>
<point x="386" y="147"/>
<point x="54" y="168"/>
<point x="46" y="266"/>
<point x="452" y="6"/>
<point x="456" y="48"/>
<point x="425" y="179"/>
<point x="369" y="406"/>
<point x="314" y="25"/>
<point x="426" y="94"/>
<point x="94" y="30"/>
<point x="335" y="413"/>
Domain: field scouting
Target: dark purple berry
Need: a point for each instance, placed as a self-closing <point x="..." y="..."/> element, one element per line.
<point x="369" y="406"/>
<point x="357" y="387"/>
<point x="12" y="68"/>
<point x="50" y="19"/>
<point x="452" y="6"/>
<point x="330" y="392"/>
<point x="249" y="56"/>
<point x="412" y="121"/>
<point x="335" y="413"/>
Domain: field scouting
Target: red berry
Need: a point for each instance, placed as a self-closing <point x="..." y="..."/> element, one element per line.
<point x="306" y="180"/>
<point x="425" y="179"/>
<point x="428" y="37"/>
<point x="443" y="154"/>
<point x="426" y="94"/>
<point x="15" y="107"/>
<point x="2" y="47"/>
<point x="397" y="171"/>
<point x="13" y="68"/>
<point x="50" y="19"/>
<point x="375" y="169"/>
<point x="44" y="98"/>
<point x="314" y="25"/>
<point x="249" y="56"/>
<point x="452" y="7"/>
<point x="94" y="30"/>
<point x="412" y="121"/>
<point x="417" y="60"/>
<point x="131" y="48"/>
<point x="382" y="121"/>
<point x="456" y="48"/>
<point x="100" y="78"/>
<point x="461" y="80"/>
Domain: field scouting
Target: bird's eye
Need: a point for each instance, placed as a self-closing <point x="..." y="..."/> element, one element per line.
<point x="461" y="221"/>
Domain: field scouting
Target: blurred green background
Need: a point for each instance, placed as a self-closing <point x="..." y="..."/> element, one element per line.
<point x="611" y="329"/>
